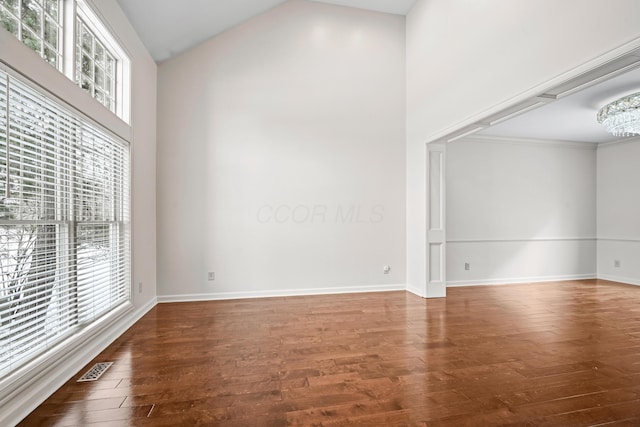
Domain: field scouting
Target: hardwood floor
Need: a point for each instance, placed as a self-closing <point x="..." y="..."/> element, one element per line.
<point x="552" y="354"/>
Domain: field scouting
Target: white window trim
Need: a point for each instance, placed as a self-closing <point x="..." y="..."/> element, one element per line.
<point x="59" y="49"/>
<point x="29" y="64"/>
<point x="18" y="390"/>
<point x="22" y="377"/>
<point x="87" y="12"/>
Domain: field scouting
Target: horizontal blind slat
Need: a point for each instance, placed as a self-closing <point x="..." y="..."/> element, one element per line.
<point x="58" y="276"/>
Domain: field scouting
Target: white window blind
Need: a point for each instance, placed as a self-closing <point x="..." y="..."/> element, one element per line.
<point x="64" y="222"/>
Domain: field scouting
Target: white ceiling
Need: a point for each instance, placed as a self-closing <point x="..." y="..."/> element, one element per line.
<point x="169" y="27"/>
<point x="572" y="118"/>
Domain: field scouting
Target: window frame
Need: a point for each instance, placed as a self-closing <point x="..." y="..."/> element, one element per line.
<point x="107" y="66"/>
<point x="58" y="50"/>
<point x="67" y="213"/>
<point x="19" y="60"/>
<point x="69" y="13"/>
<point x="84" y="11"/>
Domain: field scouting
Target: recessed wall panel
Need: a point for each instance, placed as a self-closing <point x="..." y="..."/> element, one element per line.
<point x="435" y="262"/>
<point x="435" y="190"/>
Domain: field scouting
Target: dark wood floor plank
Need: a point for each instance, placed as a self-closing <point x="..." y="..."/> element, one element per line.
<point x="556" y="354"/>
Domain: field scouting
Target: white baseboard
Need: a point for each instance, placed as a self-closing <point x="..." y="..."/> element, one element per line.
<point x="619" y="279"/>
<point x="519" y="280"/>
<point x="415" y="291"/>
<point x="46" y="381"/>
<point x="217" y="296"/>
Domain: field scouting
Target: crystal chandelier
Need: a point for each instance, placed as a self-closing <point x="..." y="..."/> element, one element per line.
<point x="622" y="117"/>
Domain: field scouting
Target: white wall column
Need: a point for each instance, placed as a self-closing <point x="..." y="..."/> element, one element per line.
<point x="436" y="284"/>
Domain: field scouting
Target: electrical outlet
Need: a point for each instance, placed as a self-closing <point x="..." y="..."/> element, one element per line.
<point x="211" y="276"/>
<point x="139" y="287"/>
<point x="616" y="263"/>
<point x="467" y="266"/>
<point x="386" y="269"/>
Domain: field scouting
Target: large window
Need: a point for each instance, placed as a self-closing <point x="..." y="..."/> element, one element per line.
<point x="64" y="222"/>
<point x="95" y="61"/>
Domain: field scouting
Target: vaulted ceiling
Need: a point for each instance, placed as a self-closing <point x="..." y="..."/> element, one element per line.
<point x="169" y="27"/>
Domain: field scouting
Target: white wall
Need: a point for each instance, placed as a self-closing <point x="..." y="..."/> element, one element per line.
<point x="46" y="378"/>
<point x="143" y="149"/>
<point x="281" y="157"/>
<point x="465" y="58"/>
<point x="520" y="211"/>
<point x="619" y="212"/>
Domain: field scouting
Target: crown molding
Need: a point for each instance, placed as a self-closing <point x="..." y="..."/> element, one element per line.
<point x="590" y="72"/>
<point x="620" y="141"/>
<point x="529" y="141"/>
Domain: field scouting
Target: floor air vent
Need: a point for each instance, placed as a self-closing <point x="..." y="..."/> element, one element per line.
<point x="95" y="372"/>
